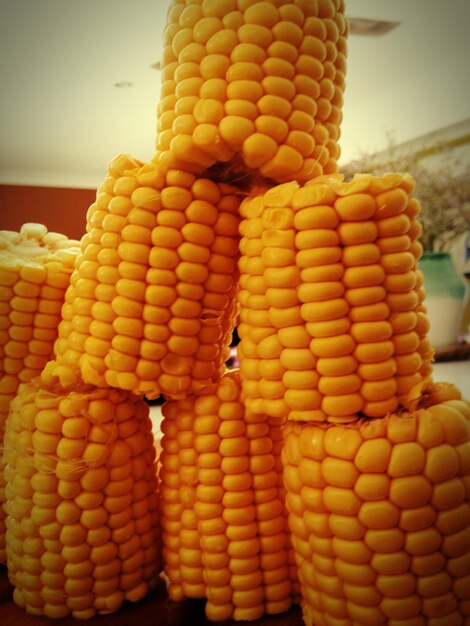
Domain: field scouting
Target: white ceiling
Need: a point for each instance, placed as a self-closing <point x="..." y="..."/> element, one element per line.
<point x="62" y="119"/>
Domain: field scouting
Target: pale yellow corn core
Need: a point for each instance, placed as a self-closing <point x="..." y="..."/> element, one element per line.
<point x="253" y="85"/>
<point x="329" y="270"/>
<point x="223" y="520"/>
<point x="83" y="532"/>
<point x="375" y="538"/>
<point x="151" y="305"/>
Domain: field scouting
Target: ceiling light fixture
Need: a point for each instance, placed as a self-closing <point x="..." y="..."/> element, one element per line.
<point x="362" y="26"/>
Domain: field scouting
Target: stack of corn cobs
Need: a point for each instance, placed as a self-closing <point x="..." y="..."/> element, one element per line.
<point x="330" y="469"/>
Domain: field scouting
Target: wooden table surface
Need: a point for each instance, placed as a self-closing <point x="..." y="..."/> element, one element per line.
<point x="153" y="610"/>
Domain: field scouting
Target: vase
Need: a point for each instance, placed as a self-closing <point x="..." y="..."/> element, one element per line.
<point x="446" y="293"/>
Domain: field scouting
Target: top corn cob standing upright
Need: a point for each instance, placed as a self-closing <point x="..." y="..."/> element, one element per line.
<point x="253" y="87"/>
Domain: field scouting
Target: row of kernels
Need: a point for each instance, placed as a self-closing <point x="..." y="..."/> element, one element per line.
<point x="237" y="511"/>
<point x="281" y="272"/>
<point x="387" y="282"/>
<point x="239" y="82"/>
<point x="399" y="230"/>
<point x="425" y="349"/>
<point x="259" y="354"/>
<point x="178" y="474"/>
<point x="395" y="527"/>
<point x="192" y="581"/>
<point x="277" y="558"/>
<point x="275" y="347"/>
<point x="324" y="305"/>
<point x="134" y="206"/>
<point x="82" y="525"/>
<point x="85" y="331"/>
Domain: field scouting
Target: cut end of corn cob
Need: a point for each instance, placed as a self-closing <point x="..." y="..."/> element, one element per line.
<point x="380" y="515"/>
<point x="152" y="301"/>
<point x="224" y="528"/>
<point x="81" y="499"/>
<point x="257" y="86"/>
<point x="35" y="268"/>
<point x="332" y="320"/>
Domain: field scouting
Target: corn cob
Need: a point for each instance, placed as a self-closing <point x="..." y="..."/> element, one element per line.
<point x="151" y="306"/>
<point x="224" y="529"/>
<point x="81" y="502"/>
<point x="35" y="268"/>
<point x="257" y="86"/>
<point x="332" y="319"/>
<point x="380" y="516"/>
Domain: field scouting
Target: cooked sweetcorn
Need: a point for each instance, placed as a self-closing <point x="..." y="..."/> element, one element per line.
<point x="81" y="499"/>
<point x="224" y="529"/>
<point x="380" y="516"/>
<point x="151" y="306"/>
<point x="257" y="86"/>
<point x="333" y="336"/>
<point x="35" y="269"/>
<point x="332" y="321"/>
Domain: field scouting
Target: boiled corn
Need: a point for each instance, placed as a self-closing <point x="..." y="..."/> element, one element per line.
<point x="224" y="529"/>
<point x="257" y="86"/>
<point x="332" y="320"/>
<point x="151" y="306"/>
<point x="380" y="516"/>
<point x="81" y="500"/>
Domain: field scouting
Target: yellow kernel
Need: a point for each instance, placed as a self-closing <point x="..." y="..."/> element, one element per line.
<point x="235" y="129"/>
<point x="375" y="352"/>
<point x="373" y="455"/>
<point x="328" y="347"/>
<point x="257" y="149"/>
<point x="244" y="89"/>
<point x="68" y="512"/>
<point x="222" y="42"/>
<point x="441" y="463"/>
<point x="324" y="310"/>
<point x="379" y="514"/>
<point x="336" y="385"/>
<point x="406" y="459"/>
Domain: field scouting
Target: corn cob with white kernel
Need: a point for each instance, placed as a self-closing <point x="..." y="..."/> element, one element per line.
<point x="35" y="269"/>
